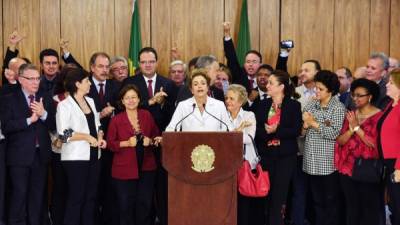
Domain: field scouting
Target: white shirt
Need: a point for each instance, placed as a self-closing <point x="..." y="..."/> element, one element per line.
<point x="97" y="82"/>
<point x="198" y="121"/>
<point x="250" y="154"/>
<point x="305" y="95"/>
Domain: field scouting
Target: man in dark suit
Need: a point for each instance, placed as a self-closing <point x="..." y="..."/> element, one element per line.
<point x="158" y="95"/>
<point x="246" y="75"/>
<point x="2" y="170"/>
<point x="209" y="63"/>
<point x="49" y="63"/>
<point x="27" y="118"/>
<point x="103" y="92"/>
<point x="345" y="78"/>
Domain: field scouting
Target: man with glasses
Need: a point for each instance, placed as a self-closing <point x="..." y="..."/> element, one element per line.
<point x="28" y="115"/>
<point x="119" y="68"/>
<point x="49" y="64"/>
<point x="157" y="95"/>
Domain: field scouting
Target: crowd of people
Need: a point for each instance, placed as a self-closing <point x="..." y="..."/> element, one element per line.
<point x="96" y="135"/>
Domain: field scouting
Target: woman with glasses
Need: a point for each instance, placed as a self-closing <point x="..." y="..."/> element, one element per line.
<point x="358" y="138"/>
<point x="129" y="136"/>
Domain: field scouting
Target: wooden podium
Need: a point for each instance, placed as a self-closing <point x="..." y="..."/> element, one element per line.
<point x="202" y="180"/>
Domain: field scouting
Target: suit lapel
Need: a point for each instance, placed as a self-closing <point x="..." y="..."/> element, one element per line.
<point x="24" y="106"/>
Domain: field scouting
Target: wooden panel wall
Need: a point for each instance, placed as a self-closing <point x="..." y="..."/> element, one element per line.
<point x="336" y="32"/>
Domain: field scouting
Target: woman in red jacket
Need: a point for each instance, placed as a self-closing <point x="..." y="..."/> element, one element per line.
<point x="130" y="135"/>
<point x="389" y="141"/>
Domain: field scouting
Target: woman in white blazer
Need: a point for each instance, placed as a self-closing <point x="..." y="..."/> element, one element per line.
<point x="78" y="125"/>
<point x="200" y="113"/>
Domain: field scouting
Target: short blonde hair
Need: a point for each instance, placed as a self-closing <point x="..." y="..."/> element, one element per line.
<point x="240" y="90"/>
<point x="395" y="75"/>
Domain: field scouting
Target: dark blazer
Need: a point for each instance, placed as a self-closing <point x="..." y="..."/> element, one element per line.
<point x="9" y="55"/>
<point x="288" y="130"/>
<point x="72" y="60"/>
<point x="110" y="95"/>
<point x="21" y="138"/>
<point x="162" y="114"/>
<point x="124" y="164"/>
<point x="239" y="75"/>
<point x="185" y="93"/>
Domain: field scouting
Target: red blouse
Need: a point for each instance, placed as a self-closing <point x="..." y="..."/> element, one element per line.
<point x="390" y="136"/>
<point x="345" y="154"/>
<point x="124" y="165"/>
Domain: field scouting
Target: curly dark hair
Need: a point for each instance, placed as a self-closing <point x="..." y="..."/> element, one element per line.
<point x="369" y="85"/>
<point x="329" y="79"/>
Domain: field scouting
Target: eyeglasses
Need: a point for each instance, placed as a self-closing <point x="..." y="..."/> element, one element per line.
<point x="31" y="79"/>
<point x="150" y="62"/>
<point x="128" y="98"/>
<point x="358" y="95"/>
<point x="119" y="68"/>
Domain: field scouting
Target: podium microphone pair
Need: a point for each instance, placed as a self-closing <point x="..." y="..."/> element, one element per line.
<point x="204" y="107"/>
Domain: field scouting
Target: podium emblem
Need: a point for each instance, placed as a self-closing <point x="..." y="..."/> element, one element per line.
<point x="203" y="158"/>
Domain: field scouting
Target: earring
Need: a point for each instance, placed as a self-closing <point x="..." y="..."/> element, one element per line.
<point x="369" y="100"/>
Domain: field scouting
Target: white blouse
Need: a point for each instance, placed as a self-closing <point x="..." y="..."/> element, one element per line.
<point x="250" y="154"/>
<point x="197" y="121"/>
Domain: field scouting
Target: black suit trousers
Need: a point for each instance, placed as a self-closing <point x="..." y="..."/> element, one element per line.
<point x="2" y="181"/>
<point x="82" y="180"/>
<point x="27" y="192"/>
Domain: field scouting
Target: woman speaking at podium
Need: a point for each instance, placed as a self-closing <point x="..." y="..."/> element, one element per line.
<point x="200" y="112"/>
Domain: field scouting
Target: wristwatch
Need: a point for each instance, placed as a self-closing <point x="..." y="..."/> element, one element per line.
<point x="355" y="129"/>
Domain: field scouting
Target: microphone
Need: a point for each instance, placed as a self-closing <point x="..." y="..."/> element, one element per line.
<point x="180" y="121"/>
<point x="204" y="106"/>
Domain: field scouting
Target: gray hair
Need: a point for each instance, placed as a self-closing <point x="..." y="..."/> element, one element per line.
<point x="240" y="90"/>
<point x="25" y="67"/>
<point x="178" y="62"/>
<point x="116" y="59"/>
<point x="205" y="61"/>
<point x="382" y="56"/>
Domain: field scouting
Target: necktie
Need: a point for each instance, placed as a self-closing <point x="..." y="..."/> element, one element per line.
<point x="101" y="92"/>
<point x="31" y="99"/>
<point x="150" y="88"/>
<point x="251" y="83"/>
<point x="264" y="96"/>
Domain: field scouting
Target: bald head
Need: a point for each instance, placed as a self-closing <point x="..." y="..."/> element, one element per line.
<point x="15" y="63"/>
<point x="13" y="67"/>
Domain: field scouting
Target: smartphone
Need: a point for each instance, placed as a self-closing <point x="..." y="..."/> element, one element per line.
<point x="287" y="44"/>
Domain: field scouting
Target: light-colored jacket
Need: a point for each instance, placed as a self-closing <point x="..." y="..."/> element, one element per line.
<point x="198" y="121"/>
<point x="70" y="116"/>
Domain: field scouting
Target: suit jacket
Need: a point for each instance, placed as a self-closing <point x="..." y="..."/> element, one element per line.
<point x="124" y="164"/>
<point x="21" y="138"/>
<point x="72" y="60"/>
<point x="161" y="113"/>
<point x="110" y="95"/>
<point x="185" y="93"/>
<point x="70" y="116"/>
<point x="288" y="130"/>
<point x="239" y="75"/>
